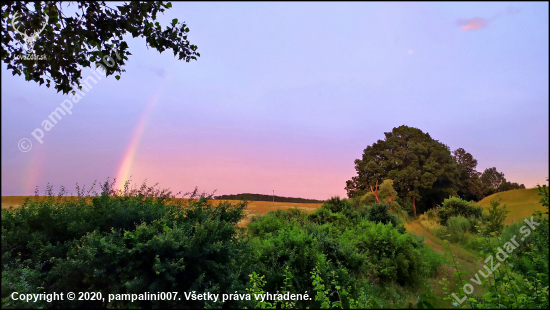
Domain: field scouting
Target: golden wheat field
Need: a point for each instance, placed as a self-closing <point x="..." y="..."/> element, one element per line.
<point x="520" y="202"/>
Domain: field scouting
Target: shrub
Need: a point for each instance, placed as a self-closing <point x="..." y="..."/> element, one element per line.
<point x="335" y="205"/>
<point x="143" y="241"/>
<point x="392" y="255"/>
<point x="355" y="253"/>
<point x="454" y="206"/>
<point x="368" y="199"/>
<point x="324" y="215"/>
<point x="379" y="212"/>
<point x="458" y="227"/>
<point x="122" y="242"/>
<point x="356" y="202"/>
<point x="494" y="219"/>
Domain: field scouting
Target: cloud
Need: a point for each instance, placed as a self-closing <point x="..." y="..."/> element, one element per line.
<point x="480" y="22"/>
<point x="473" y="23"/>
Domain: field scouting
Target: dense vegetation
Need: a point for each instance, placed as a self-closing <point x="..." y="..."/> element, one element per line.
<point x="344" y="254"/>
<point x="424" y="170"/>
<point x="519" y="278"/>
<point x="122" y="242"/>
<point x="261" y="197"/>
<point x="136" y="241"/>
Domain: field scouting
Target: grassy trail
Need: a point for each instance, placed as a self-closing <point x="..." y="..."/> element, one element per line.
<point x="464" y="257"/>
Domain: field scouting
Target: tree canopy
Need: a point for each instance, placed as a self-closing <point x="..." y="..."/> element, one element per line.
<point x="495" y="182"/>
<point x="422" y="168"/>
<point x="492" y="178"/>
<point x="62" y="45"/>
<point x="470" y="186"/>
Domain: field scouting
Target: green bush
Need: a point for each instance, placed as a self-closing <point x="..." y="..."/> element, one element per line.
<point x="380" y="212"/>
<point x="355" y="249"/>
<point x="522" y="281"/>
<point x="494" y="219"/>
<point x="129" y="242"/>
<point x="335" y="205"/>
<point x="531" y="257"/>
<point x="458" y="228"/>
<point x="455" y="206"/>
<point x="368" y="199"/>
<point x="323" y="215"/>
<point x="393" y="256"/>
<point x="145" y="241"/>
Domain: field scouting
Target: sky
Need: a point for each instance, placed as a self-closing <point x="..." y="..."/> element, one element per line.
<point x="285" y="96"/>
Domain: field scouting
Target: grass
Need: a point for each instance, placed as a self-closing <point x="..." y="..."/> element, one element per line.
<point x="467" y="260"/>
<point x="521" y="203"/>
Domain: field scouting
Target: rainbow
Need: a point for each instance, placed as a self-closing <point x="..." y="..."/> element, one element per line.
<point x="128" y="158"/>
<point x="32" y="173"/>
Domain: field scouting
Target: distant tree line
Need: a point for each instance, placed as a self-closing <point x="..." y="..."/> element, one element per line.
<point x="424" y="171"/>
<point x="261" y="197"/>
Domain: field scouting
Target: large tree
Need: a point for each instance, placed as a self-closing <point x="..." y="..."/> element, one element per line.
<point x="495" y="182"/>
<point x="422" y="168"/>
<point x="492" y="179"/>
<point x="41" y="42"/>
<point x="469" y="184"/>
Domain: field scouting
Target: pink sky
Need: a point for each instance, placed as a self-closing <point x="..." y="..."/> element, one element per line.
<point x="285" y="96"/>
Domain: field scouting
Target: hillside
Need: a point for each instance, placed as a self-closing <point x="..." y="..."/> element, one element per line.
<point x="520" y="202"/>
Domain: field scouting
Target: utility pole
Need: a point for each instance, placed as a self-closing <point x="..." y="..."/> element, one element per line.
<point x="273" y="195"/>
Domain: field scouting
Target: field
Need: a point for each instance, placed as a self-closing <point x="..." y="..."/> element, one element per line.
<point x="253" y="208"/>
<point x="520" y="202"/>
<point x="13" y="201"/>
<point x="262" y="207"/>
<point x="17" y="201"/>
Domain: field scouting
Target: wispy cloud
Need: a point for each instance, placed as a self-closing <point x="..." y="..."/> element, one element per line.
<point x="477" y="23"/>
<point x="473" y="23"/>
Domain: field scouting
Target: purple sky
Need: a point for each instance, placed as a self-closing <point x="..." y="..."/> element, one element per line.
<point x="285" y="96"/>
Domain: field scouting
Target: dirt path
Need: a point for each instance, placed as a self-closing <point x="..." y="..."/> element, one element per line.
<point x="465" y="258"/>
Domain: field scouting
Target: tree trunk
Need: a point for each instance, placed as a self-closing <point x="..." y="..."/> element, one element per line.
<point x="375" y="192"/>
<point x="414" y="207"/>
